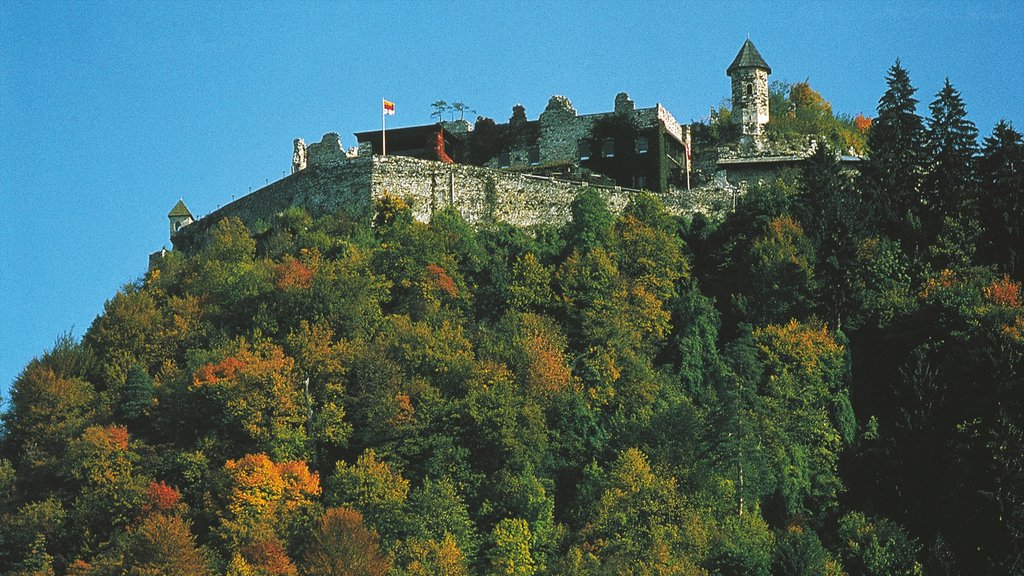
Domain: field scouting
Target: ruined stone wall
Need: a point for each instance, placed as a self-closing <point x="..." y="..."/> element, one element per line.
<point x="482" y="194"/>
<point x="319" y="190"/>
<point x="561" y="131"/>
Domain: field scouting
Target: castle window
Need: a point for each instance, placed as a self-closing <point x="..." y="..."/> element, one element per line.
<point x="642" y="145"/>
<point x="534" y="155"/>
<point x="504" y="160"/>
<point x="584" y="150"/>
<point x="608" y="148"/>
<point x="750" y="89"/>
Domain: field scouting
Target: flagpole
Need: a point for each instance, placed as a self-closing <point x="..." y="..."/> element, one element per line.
<point x="383" y="129"/>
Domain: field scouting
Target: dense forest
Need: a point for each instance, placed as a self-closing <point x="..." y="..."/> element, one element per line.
<point x="826" y="381"/>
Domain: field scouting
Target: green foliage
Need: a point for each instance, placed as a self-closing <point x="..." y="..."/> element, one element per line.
<point x="624" y="394"/>
<point x="897" y="158"/>
<point x="876" y="547"/>
<point x="511" y="546"/>
<point x="799" y="112"/>
<point x="164" y="545"/>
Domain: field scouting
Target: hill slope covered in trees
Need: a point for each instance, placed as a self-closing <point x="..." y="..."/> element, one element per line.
<point x="828" y="381"/>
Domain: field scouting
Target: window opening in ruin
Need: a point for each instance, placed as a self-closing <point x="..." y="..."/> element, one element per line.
<point x="503" y="160"/>
<point x="608" y="148"/>
<point x="750" y="89"/>
<point x="584" y="149"/>
<point x="534" y="155"/>
<point x="642" y="145"/>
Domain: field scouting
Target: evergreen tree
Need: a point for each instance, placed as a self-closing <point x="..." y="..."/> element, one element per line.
<point x="138" y="393"/>
<point x="952" y="143"/>
<point x="950" y="190"/>
<point x="832" y="214"/>
<point x="1001" y="177"/>
<point x="897" y="157"/>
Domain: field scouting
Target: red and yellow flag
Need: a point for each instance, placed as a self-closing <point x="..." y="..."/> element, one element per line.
<point x="389" y="108"/>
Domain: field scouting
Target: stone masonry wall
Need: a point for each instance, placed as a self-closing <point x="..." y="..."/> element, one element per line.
<point x="318" y="189"/>
<point x="481" y="194"/>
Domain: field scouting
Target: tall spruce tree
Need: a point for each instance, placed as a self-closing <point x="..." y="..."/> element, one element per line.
<point x="950" y="187"/>
<point x="832" y="214"/>
<point x="1001" y="203"/>
<point x="896" y="158"/>
<point x="953" y="144"/>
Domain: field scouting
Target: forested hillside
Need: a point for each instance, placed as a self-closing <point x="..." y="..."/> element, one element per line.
<point x="826" y="381"/>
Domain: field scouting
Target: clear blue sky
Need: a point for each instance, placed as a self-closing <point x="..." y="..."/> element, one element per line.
<point x="111" y="111"/>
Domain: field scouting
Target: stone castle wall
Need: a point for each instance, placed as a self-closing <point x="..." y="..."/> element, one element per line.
<point x="352" y="184"/>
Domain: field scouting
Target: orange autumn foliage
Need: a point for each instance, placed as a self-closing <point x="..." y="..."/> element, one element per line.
<point x="946" y="279"/>
<point x="547" y="369"/>
<point x="292" y="273"/>
<point x="118" y="436"/>
<point x="798" y="345"/>
<point x="270" y="556"/>
<point x="1003" y="292"/>
<point x="862" y="123"/>
<point x="226" y="369"/>
<point x="160" y="498"/>
<point x="261" y="487"/>
<point x="438" y="279"/>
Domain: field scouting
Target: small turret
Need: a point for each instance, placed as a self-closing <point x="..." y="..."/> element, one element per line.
<point x="180" y="216"/>
<point x="749" y="73"/>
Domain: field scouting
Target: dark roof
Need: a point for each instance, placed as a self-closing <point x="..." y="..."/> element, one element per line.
<point x="748" y="57"/>
<point x="179" y="210"/>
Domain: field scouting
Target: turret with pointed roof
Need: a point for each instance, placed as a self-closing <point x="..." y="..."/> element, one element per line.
<point x="180" y="216"/>
<point x="749" y="73"/>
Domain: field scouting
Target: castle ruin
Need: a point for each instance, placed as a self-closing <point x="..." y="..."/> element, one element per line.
<point x="524" y="172"/>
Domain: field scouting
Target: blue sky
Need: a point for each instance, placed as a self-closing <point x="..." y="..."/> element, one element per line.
<point x="111" y="111"/>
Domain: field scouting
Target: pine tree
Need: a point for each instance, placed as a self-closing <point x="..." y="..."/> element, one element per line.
<point x="1001" y="202"/>
<point x="953" y="143"/>
<point x="832" y="214"/>
<point x="897" y="157"/>
<point x="138" y="393"/>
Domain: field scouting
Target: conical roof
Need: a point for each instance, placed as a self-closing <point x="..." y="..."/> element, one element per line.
<point x="179" y="210"/>
<point x="748" y="57"/>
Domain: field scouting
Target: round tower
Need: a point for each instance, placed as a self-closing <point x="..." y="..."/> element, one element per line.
<point x="749" y="73"/>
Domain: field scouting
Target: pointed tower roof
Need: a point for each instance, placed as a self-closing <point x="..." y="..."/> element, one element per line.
<point x="748" y="57"/>
<point x="179" y="210"/>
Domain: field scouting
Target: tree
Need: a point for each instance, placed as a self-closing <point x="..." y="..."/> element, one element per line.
<point x="342" y="546"/>
<point x="832" y="214"/>
<point x="641" y="524"/>
<point x="950" y="186"/>
<point x="1001" y="177"/>
<point x="263" y="497"/>
<point x="375" y="489"/>
<point x="876" y="547"/>
<point x="953" y="144"/>
<point x="781" y="273"/>
<point x="896" y="157"/>
<point x="138" y="394"/>
<point x="510" y="554"/>
<point x="164" y="546"/>
<point x="591" y="224"/>
<point x="440" y="107"/>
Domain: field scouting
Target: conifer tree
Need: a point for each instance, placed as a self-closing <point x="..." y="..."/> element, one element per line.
<point x="832" y="214"/>
<point x="897" y="158"/>
<point x="952" y="143"/>
<point x="138" y="393"/>
<point x="1001" y="203"/>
